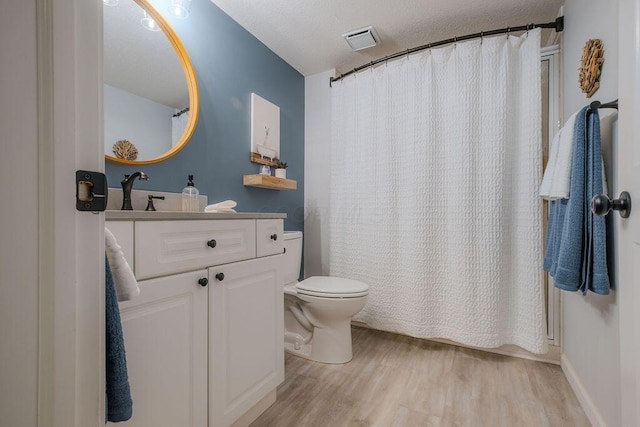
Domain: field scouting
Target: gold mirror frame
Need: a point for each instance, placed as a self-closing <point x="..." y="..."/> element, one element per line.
<point x="192" y="87"/>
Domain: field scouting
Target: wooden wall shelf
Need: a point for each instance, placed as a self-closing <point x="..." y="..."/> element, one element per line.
<point x="257" y="158"/>
<point x="269" y="182"/>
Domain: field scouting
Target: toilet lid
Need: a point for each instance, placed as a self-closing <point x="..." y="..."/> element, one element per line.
<point x="332" y="287"/>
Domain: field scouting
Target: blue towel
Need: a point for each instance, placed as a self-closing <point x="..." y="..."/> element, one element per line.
<point x="595" y="265"/>
<point x="119" y="404"/>
<point x="575" y="254"/>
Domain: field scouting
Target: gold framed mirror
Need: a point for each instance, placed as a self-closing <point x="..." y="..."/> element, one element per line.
<point x="150" y="90"/>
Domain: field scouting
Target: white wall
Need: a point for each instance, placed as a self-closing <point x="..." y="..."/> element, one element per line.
<point x="19" y="220"/>
<point x="145" y="123"/>
<point x="590" y="332"/>
<point x="317" y="158"/>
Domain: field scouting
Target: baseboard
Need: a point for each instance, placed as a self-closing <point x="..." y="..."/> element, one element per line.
<point x="256" y="410"/>
<point x="552" y="356"/>
<point x="589" y="408"/>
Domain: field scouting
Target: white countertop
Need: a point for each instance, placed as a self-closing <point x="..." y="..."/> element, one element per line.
<point x="176" y="215"/>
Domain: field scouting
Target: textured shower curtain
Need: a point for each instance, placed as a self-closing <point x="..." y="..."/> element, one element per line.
<point x="178" y="125"/>
<point x="436" y="164"/>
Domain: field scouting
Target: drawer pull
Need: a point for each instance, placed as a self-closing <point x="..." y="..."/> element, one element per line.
<point x="274" y="237"/>
<point x="203" y="282"/>
<point x="220" y="276"/>
<point x="211" y="243"/>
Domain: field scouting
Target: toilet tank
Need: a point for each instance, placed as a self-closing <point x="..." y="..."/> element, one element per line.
<point x="292" y="256"/>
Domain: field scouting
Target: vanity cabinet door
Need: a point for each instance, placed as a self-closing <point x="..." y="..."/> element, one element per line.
<point x="246" y="354"/>
<point x="269" y="237"/>
<point x="165" y="335"/>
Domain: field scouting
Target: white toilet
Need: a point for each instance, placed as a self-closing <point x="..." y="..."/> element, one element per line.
<point x="318" y="310"/>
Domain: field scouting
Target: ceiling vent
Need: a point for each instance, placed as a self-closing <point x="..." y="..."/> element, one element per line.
<point x="362" y="39"/>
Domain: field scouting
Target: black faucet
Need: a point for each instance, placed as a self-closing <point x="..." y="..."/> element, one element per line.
<point x="127" y="185"/>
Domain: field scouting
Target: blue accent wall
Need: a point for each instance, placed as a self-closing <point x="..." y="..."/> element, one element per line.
<point x="230" y="64"/>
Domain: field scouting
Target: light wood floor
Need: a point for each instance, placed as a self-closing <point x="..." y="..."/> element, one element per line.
<point x="395" y="380"/>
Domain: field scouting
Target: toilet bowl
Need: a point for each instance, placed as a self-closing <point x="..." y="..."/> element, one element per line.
<point x="318" y="310"/>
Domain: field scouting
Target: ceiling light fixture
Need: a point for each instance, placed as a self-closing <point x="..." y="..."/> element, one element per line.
<point x="363" y="38"/>
<point x="110" y="2"/>
<point x="148" y="22"/>
<point x="180" y="8"/>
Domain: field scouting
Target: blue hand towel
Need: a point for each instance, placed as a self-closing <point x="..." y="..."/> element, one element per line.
<point x="575" y="254"/>
<point x="119" y="404"/>
<point x="595" y="265"/>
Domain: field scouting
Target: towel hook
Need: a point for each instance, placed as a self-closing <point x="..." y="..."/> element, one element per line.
<point x="601" y="204"/>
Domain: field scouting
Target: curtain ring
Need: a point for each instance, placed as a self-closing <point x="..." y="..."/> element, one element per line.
<point x="481" y="36"/>
<point x="407" y="54"/>
<point x="455" y="42"/>
<point x="508" y="32"/>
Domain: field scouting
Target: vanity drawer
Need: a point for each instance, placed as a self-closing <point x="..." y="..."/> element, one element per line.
<point x="163" y="247"/>
<point x="269" y="237"/>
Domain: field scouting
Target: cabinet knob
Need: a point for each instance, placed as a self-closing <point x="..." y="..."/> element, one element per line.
<point x="211" y="243"/>
<point x="274" y="237"/>
<point x="220" y="276"/>
<point x="203" y="282"/>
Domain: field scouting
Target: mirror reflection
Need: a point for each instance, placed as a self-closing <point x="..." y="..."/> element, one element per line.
<point x="148" y="110"/>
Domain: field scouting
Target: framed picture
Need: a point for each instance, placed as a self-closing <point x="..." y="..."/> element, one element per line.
<point x="265" y="127"/>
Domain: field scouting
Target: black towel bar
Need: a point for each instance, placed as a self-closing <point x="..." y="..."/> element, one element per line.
<point x="597" y="104"/>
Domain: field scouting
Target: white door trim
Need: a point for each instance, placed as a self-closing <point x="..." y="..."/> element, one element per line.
<point x="71" y="243"/>
<point x="628" y="237"/>
<point x="46" y="229"/>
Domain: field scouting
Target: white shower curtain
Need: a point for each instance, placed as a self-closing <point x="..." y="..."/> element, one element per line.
<point x="178" y="125"/>
<point x="436" y="163"/>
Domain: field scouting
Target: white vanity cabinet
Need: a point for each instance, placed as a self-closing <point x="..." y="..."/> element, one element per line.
<point x="199" y="355"/>
<point x="165" y="334"/>
<point x="246" y="355"/>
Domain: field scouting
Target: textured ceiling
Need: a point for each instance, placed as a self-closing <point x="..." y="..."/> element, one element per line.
<point x="140" y="61"/>
<point x="307" y="33"/>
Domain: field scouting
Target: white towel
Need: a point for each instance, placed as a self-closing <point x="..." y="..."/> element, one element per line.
<point x="123" y="278"/>
<point x="221" y="211"/>
<point x="221" y="207"/>
<point x="557" y="176"/>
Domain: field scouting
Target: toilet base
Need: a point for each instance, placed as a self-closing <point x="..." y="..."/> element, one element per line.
<point x="331" y="346"/>
<point x="319" y="328"/>
<point x="303" y="351"/>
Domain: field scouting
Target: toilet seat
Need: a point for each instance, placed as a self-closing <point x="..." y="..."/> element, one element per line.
<point x="332" y="287"/>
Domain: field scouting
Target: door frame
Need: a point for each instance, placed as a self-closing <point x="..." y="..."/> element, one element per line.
<point x="554" y="314"/>
<point x="628" y="236"/>
<point x="71" y="243"/>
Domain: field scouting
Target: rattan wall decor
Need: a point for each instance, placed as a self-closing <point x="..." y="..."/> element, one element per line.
<point x="124" y="149"/>
<point x="591" y="67"/>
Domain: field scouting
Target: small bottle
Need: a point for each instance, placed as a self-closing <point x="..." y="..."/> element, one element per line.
<point x="190" y="201"/>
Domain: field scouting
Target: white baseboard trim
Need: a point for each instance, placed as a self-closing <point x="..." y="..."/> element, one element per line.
<point x="256" y="410"/>
<point x="589" y="407"/>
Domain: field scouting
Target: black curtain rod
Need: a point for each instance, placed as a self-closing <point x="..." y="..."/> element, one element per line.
<point x="181" y="112"/>
<point x="558" y="25"/>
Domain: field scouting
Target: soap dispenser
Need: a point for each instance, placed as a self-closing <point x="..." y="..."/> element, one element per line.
<point x="190" y="201"/>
